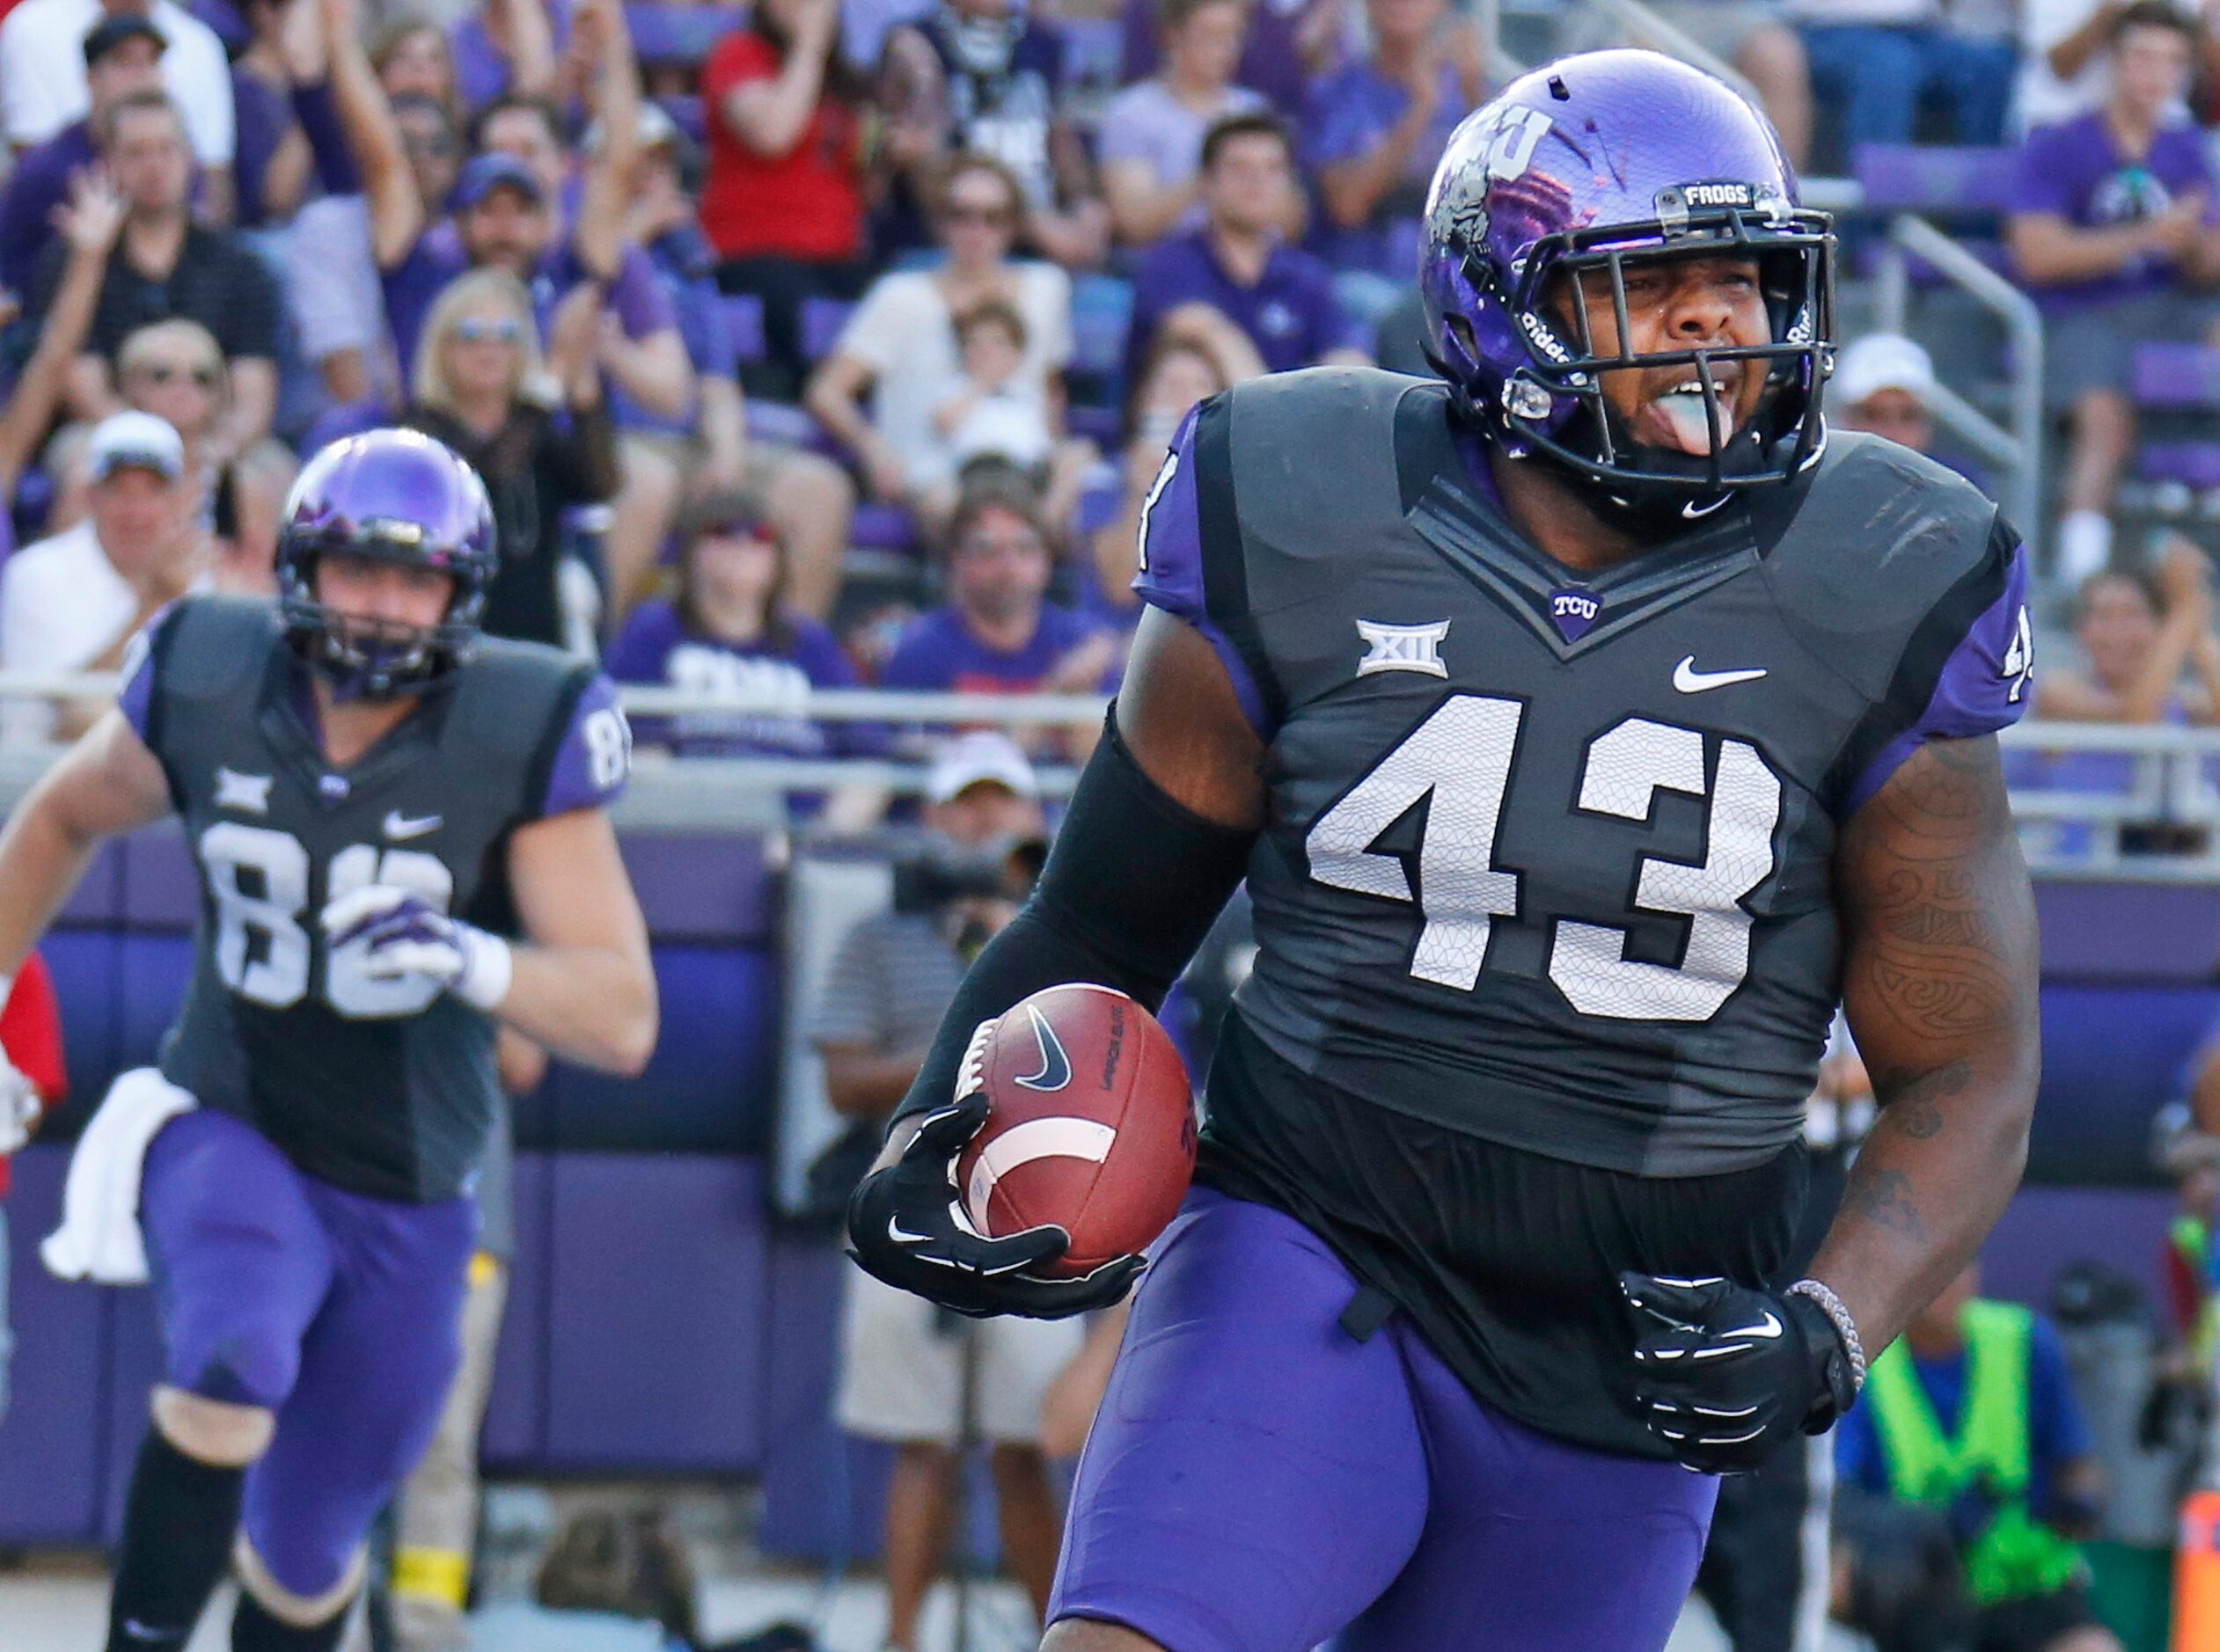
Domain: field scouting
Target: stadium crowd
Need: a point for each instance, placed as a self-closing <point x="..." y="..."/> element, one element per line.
<point x="769" y="329"/>
<point x="831" y="342"/>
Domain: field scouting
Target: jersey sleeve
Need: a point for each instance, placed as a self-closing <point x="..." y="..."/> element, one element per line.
<point x="1171" y="565"/>
<point x="140" y="670"/>
<point x="593" y="759"/>
<point x="1985" y="678"/>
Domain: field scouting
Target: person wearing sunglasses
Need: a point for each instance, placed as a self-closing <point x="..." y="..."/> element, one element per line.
<point x="732" y="628"/>
<point x="900" y="346"/>
<point x="534" y="426"/>
<point x="174" y="370"/>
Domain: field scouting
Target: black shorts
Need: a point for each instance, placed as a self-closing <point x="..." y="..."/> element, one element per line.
<point x="1507" y="1262"/>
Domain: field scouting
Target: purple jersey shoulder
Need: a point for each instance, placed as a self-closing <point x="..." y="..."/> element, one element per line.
<point x="138" y="669"/>
<point x="1171" y="565"/>
<point x="1986" y="684"/>
<point x="595" y="759"/>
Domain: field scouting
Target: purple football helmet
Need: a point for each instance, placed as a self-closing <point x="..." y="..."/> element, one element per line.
<point x="1542" y="198"/>
<point x="393" y="496"/>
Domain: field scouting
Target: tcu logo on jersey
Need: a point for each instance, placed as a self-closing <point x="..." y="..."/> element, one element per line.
<point x="1573" y="612"/>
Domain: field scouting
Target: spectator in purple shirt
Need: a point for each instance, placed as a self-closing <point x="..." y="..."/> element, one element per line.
<point x="2115" y="226"/>
<point x="122" y="56"/>
<point x="1237" y="264"/>
<point x="729" y="630"/>
<point x="1374" y="129"/>
<point x="997" y="634"/>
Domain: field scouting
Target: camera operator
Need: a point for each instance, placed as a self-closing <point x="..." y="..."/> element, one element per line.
<point x="926" y="1381"/>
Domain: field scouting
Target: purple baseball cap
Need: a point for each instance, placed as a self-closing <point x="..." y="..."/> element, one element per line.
<point x="482" y="174"/>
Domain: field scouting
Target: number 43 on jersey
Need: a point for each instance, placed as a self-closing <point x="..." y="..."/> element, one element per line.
<point x="1460" y="759"/>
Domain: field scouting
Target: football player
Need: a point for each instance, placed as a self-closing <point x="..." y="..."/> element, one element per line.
<point x="1584" y="723"/>
<point x="355" y="769"/>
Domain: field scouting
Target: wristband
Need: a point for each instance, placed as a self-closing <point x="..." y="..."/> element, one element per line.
<point x="488" y="965"/>
<point x="1845" y="1328"/>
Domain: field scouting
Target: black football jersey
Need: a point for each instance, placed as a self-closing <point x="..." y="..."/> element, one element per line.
<point x="382" y="1088"/>
<point x="1545" y="951"/>
<point x="1548" y="854"/>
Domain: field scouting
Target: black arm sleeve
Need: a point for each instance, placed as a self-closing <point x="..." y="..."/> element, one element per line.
<point x="1133" y="884"/>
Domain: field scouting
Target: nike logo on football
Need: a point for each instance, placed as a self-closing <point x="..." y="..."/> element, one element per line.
<point x="1056" y="1066"/>
<point x="1689" y="680"/>
<point x="399" y="826"/>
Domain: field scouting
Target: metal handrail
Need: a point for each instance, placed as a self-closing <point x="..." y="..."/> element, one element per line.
<point x="831" y="705"/>
<point x="2020" y="448"/>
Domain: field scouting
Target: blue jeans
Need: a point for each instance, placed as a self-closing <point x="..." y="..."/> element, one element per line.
<point x="1877" y="77"/>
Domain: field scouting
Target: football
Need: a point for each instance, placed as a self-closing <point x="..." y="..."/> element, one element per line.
<point x="1091" y="1124"/>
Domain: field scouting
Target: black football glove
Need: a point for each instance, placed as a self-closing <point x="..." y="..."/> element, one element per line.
<point x="1724" y="1374"/>
<point x="907" y="1225"/>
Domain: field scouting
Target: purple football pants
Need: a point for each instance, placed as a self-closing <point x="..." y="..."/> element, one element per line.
<point x="1258" y="1480"/>
<point x="340" y="1313"/>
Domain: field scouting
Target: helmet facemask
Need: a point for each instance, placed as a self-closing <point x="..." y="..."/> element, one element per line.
<point x="374" y="660"/>
<point x="1556" y="404"/>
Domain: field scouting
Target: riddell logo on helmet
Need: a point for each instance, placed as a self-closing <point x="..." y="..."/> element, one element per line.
<point x="1542" y="337"/>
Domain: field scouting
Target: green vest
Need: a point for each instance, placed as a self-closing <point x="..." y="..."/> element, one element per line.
<point x="2015" y="1556"/>
<point x="2193" y="1242"/>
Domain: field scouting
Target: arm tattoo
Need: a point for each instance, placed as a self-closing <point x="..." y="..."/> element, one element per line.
<point x="1931" y="891"/>
<point x="1885" y="1200"/>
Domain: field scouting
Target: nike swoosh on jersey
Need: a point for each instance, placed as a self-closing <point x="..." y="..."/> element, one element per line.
<point x="1689" y="680"/>
<point x="399" y="826"/>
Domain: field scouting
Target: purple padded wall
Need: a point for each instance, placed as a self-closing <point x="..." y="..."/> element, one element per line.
<point x="87" y="968"/>
<point x="133" y="1366"/>
<point x="658" y="1317"/>
<point x="2045" y="1228"/>
<point x="711" y="1086"/>
<point x="52" y="1437"/>
<point x="2138" y="931"/>
<point x="516" y="1431"/>
<point x="714" y="890"/>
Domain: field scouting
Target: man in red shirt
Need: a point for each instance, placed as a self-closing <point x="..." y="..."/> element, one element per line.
<point x="31" y="1081"/>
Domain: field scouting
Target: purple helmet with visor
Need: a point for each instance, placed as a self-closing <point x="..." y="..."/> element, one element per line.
<point x="1543" y="198"/>
<point x="388" y="496"/>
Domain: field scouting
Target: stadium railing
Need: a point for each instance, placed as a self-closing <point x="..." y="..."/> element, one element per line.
<point x="2143" y="778"/>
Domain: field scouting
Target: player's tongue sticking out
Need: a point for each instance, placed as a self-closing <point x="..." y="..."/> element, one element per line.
<point x="1685" y="417"/>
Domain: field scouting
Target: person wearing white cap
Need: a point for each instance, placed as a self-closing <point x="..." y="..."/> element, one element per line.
<point x="902" y="1376"/>
<point x="1885" y="383"/>
<point x="73" y="602"/>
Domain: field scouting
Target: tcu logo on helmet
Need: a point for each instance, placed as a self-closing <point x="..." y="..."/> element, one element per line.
<point x="1493" y="146"/>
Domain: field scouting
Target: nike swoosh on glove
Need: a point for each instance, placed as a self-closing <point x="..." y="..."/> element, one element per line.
<point x="907" y="1226"/>
<point x="19" y="1107"/>
<point x="401" y="934"/>
<point x="1725" y="1373"/>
